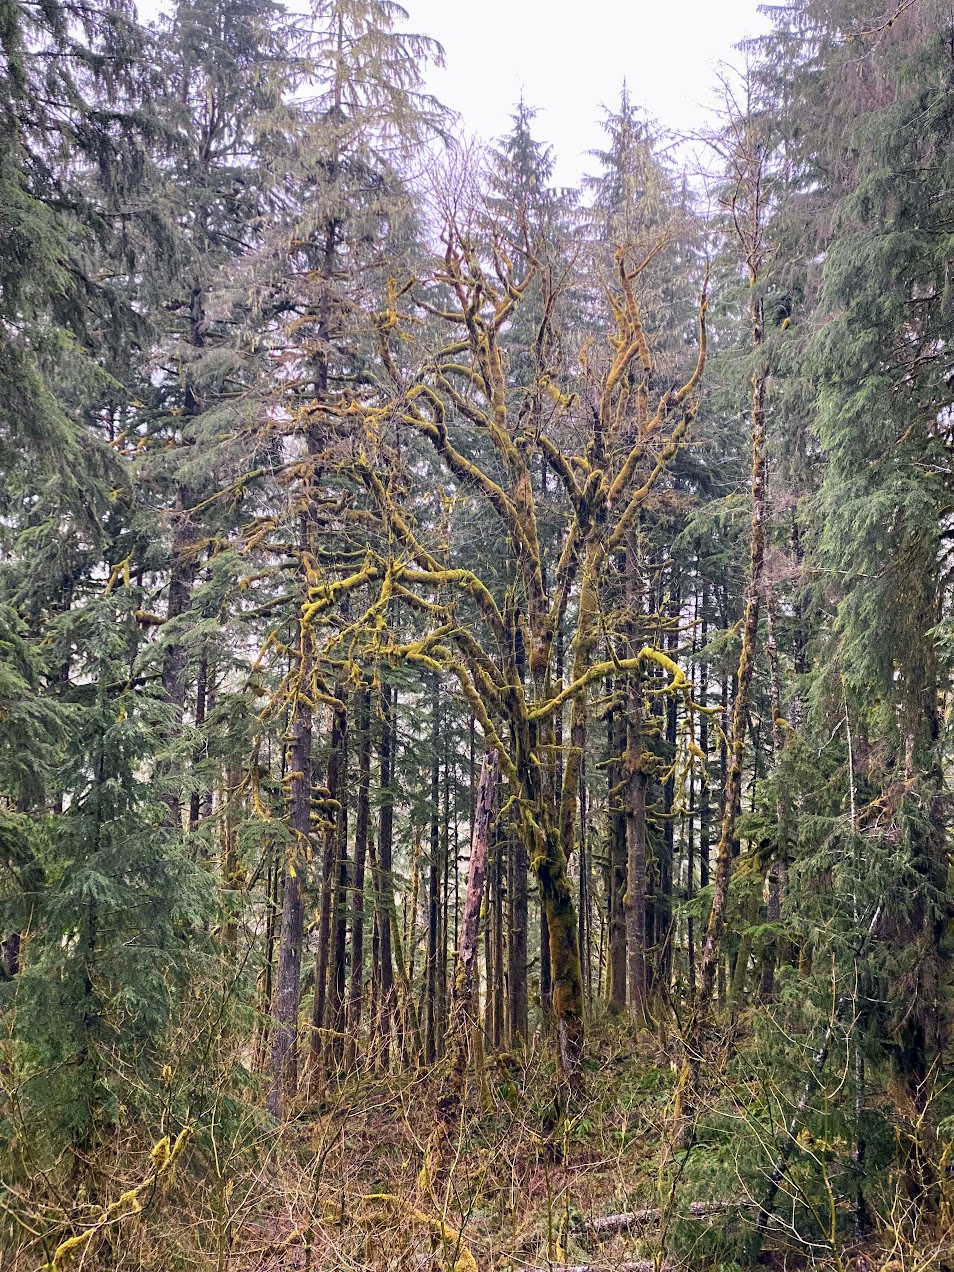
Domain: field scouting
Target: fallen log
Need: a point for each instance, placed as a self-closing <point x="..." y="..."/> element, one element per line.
<point x="611" y="1225"/>
<point x="640" y="1265"/>
<point x="425" y="1263"/>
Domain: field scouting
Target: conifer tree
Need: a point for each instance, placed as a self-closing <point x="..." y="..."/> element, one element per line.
<point x="202" y="402"/>
<point x="635" y="208"/>
<point x="884" y="391"/>
<point x="364" y="107"/>
<point x="94" y="881"/>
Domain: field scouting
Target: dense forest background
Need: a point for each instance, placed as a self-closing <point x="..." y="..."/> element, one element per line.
<point x="474" y="656"/>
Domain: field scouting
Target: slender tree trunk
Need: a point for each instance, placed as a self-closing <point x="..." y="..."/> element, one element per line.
<point x="799" y="639"/>
<point x="546" y="970"/>
<point x="736" y="752"/>
<point x="662" y="972"/>
<point x="777" y="877"/>
<point x="489" y="945"/>
<point x="691" y="820"/>
<point x="201" y="701"/>
<point x="463" y="1021"/>
<point x="334" y="787"/>
<point x="374" y="998"/>
<point x="517" y="943"/>
<point x="711" y="951"/>
<point x="635" y="802"/>
<point x="691" y="885"/>
<point x="356" y="987"/>
<point x="495" y="988"/>
<point x="181" y="578"/>
<point x="273" y="879"/>
<point x="616" y="916"/>
<point x="433" y="885"/>
<point x="583" y="892"/>
<point x="444" y="907"/>
<point x="546" y="975"/>
<point x="860" y="1216"/>
<point x="704" y="795"/>
<point x="411" y="1040"/>
<point x="384" y="882"/>
<point x="339" y="967"/>
<point x="456" y="859"/>
<point x="230" y="868"/>
<point x="283" y="1059"/>
<point x="725" y="716"/>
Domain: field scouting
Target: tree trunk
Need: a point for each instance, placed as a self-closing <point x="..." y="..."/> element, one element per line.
<point x="444" y="912"/>
<point x="283" y="1059"/>
<point x="433" y="885"/>
<point x="662" y="972"/>
<point x="616" y="916"/>
<point x="517" y="943"/>
<point x="583" y="894"/>
<point x="181" y="577"/>
<point x="230" y="868"/>
<point x="546" y="970"/>
<point x="201" y="702"/>
<point x="273" y="901"/>
<point x="736" y="749"/>
<point x="356" y="988"/>
<point x="333" y="787"/>
<point x="704" y="796"/>
<point x="565" y="964"/>
<point x="339" y="966"/>
<point x="711" y="950"/>
<point x="384" y="880"/>
<point x="495" y="905"/>
<point x="412" y="1044"/>
<point x="635" y="804"/>
<point x="462" y="1016"/>
<point x="777" y="876"/>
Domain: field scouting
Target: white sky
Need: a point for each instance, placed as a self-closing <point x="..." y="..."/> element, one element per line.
<point x="568" y="60"/>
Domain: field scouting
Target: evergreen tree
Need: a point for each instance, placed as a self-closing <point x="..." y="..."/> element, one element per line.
<point x="364" y="109"/>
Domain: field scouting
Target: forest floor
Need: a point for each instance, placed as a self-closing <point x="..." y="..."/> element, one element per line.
<point x="374" y="1177"/>
<point x="370" y="1178"/>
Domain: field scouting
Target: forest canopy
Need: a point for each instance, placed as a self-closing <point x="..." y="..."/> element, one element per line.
<point x="475" y="656"/>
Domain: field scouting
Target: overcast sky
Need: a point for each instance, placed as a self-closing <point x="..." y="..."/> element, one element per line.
<point x="569" y="60"/>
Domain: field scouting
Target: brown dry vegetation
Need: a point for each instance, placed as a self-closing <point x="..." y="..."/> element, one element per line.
<point x="371" y="1180"/>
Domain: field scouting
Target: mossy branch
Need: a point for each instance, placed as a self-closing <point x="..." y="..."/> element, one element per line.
<point x="603" y="670"/>
<point x="327" y="594"/>
<point x="638" y="497"/>
<point x="559" y="463"/>
<point x="380" y="1204"/>
<point x="392" y="518"/>
<point x="164" y="1155"/>
<point x="468" y="582"/>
